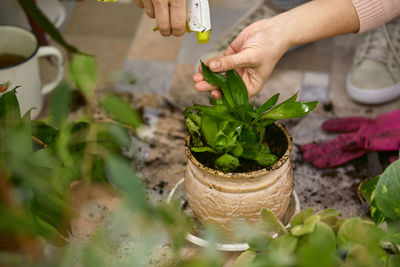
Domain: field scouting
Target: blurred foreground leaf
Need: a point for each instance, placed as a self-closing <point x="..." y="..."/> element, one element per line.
<point x="121" y="111"/>
<point x="40" y="18"/>
<point x="83" y="71"/>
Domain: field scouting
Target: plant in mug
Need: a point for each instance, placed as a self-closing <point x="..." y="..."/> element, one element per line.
<point x="232" y="128"/>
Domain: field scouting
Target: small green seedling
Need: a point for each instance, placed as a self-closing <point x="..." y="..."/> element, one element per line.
<point x="232" y="128"/>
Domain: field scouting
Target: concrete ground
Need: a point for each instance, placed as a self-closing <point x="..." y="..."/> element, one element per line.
<point x="123" y="41"/>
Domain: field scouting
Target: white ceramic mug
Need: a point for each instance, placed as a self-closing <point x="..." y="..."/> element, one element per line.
<point x="19" y="41"/>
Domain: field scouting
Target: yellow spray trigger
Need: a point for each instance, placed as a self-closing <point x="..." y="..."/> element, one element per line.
<point x="203" y="37"/>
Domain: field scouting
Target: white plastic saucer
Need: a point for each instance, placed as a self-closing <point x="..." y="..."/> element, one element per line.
<point x="221" y="246"/>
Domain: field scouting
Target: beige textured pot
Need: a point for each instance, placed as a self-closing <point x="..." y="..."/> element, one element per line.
<point x="221" y="198"/>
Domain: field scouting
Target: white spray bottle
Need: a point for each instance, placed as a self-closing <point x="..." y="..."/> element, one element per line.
<point x="198" y="19"/>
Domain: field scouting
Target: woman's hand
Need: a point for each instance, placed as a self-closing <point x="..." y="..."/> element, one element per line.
<point x="256" y="50"/>
<point x="170" y="15"/>
<point x="254" y="54"/>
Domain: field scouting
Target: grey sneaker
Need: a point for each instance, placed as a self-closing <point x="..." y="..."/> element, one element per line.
<point x="374" y="77"/>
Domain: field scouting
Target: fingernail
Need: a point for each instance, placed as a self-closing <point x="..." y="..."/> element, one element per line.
<point x="215" y="65"/>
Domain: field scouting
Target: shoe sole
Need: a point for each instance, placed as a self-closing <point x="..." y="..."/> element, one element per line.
<point x="372" y="96"/>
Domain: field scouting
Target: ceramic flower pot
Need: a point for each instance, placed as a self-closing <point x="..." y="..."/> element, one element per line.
<point x="221" y="198"/>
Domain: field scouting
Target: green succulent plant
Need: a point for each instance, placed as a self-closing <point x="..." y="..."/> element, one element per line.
<point x="234" y="129"/>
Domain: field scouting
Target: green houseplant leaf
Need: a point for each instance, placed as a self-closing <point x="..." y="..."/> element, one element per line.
<point x="307" y="227"/>
<point x="83" y="71"/>
<point x="37" y="15"/>
<point x="209" y="129"/>
<point x="237" y="88"/>
<point x="218" y="79"/>
<point x="289" y="110"/>
<point x="227" y="162"/>
<point x="9" y="109"/>
<point x="121" y="111"/>
<point x="233" y="127"/>
<point x="268" y="104"/>
<point x="271" y="223"/>
<point x="387" y="192"/>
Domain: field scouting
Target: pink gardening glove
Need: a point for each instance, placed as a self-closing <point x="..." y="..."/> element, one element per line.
<point x="361" y="135"/>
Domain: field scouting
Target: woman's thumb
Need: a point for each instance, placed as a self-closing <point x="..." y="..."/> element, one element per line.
<point x="230" y="62"/>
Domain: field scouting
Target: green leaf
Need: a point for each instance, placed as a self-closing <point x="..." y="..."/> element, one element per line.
<point x="268" y="104"/>
<point x="301" y="216"/>
<point x="218" y="79"/>
<point x="120" y="135"/>
<point x="367" y="188"/>
<point x="44" y="158"/>
<point x="122" y="175"/>
<point x="227" y="162"/>
<point x="106" y="138"/>
<point x="217" y="111"/>
<point x="265" y="159"/>
<point x="329" y="216"/>
<point x="44" y="132"/>
<point x="245" y="113"/>
<point x="318" y="248"/>
<point x="121" y="111"/>
<point x="52" y="209"/>
<point x="387" y="192"/>
<point x="195" y="118"/>
<point x="271" y="223"/>
<point x="252" y="151"/>
<point x="355" y="231"/>
<point x="192" y="127"/>
<point x="324" y="232"/>
<point x="249" y="135"/>
<point x="209" y="129"/>
<point x="40" y="18"/>
<point x="237" y="88"/>
<point x="9" y="110"/>
<point x="289" y="110"/>
<point x="237" y="151"/>
<point x="60" y="104"/>
<point x="203" y="149"/>
<point x="260" y="241"/>
<point x="307" y="227"/>
<point x="245" y="259"/>
<point x="285" y="244"/>
<point x="83" y="70"/>
<point x="394" y="261"/>
<point x="225" y="143"/>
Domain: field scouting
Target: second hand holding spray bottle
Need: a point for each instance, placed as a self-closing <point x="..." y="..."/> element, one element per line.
<point x="197" y="18"/>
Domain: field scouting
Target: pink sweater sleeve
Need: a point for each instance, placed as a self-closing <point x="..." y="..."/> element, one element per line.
<point x="373" y="13"/>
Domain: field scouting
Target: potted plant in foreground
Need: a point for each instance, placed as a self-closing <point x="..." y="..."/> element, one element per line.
<point x="238" y="155"/>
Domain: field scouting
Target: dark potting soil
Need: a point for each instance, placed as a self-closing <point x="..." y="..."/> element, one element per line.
<point x="274" y="138"/>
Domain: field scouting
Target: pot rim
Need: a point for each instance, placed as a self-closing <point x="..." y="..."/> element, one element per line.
<point x="253" y="174"/>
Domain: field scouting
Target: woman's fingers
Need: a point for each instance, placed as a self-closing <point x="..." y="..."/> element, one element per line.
<point x="200" y="84"/>
<point x="170" y="15"/>
<point x="177" y="12"/>
<point x="204" y="86"/>
<point x="139" y="3"/>
<point x="161" y="10"/>
<point x="149" y="8"/>
<point x="216" y="94"/>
